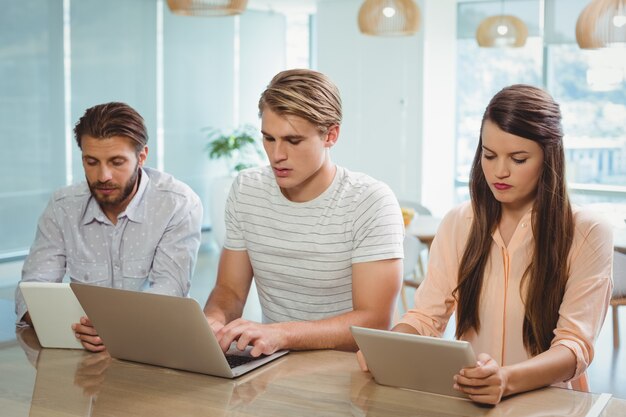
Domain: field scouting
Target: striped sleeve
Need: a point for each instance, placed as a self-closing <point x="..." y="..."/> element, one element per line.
<point x="234" y="234"/>
<point x="378" y="226"/>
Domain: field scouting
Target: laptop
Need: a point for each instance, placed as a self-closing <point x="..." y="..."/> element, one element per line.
<point x="162" y="330"/>
<point x="53" y="308"/>
<point x="420" y="363"/>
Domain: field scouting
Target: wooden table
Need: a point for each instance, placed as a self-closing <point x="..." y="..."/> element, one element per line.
<point x="424" y="228"/>
<point x="321" y="383"/>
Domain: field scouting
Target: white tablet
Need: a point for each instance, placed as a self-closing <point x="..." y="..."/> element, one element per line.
<point x="416" y="362"/>
<point x="53" y="308"/>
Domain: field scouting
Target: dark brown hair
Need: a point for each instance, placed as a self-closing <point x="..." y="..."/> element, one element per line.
<point x="305" y="93"/>
<point x="112" y="119"/>
<point x="530" y="113"/>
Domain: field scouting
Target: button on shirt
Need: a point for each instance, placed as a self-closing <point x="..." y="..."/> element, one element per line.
<point x="153" y="245"/>
<point x="501" y="308"/>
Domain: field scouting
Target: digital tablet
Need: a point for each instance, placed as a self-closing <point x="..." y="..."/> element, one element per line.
<point x="53" y="308"/>
<point x="421" y="363"/>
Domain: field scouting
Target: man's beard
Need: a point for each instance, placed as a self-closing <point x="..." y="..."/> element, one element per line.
<point x="111" y="201"/>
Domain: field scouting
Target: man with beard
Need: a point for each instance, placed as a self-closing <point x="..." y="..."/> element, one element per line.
<point x="127" y="226"/>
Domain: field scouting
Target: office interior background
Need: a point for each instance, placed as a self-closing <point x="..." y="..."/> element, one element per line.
<point x="412" y="105"/>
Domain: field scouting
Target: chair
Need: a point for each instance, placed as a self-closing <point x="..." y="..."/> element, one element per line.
<point x="618" y="298"/>
<point x="419" y="209"/>
<point x="412" y="261"/>
<point x="414" y="270"/>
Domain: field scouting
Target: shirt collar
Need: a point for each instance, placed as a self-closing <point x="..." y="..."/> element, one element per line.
<point x="94" y="212"/>
<point x="134" y="211"/>
<point x="524" y="227"/>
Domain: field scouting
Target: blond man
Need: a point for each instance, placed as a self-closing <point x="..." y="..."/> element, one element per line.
<point x="323" y="244"/>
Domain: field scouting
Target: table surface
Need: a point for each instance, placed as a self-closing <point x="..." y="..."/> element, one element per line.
<point x="424" y="228"/>
<point x="57" y="382"/>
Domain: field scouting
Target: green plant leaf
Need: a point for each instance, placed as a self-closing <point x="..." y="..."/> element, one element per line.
<point x="239" y="145"/>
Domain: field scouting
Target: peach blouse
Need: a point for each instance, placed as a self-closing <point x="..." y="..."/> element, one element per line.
<point x="501" y="310"/>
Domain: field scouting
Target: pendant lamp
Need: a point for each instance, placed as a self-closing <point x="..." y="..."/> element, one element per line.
<point x="389" y="17"/>
<point x="207" y="7"/>
<point x="601" y="24"/>
<point x="501" y="31"/>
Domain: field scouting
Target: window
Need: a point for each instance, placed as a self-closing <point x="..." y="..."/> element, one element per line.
<point x="590" y="90"/>
<point x="588" y="85"/>
<point x="482" y="72"/>
<point x="181" y="73"/>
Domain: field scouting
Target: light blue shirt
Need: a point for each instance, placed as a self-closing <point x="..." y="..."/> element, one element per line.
<point x="153" y="246"/>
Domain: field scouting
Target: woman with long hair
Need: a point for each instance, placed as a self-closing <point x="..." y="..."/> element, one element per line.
<point x="528" y="276"/>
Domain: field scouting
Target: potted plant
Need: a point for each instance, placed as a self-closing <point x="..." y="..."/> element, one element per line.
<point x="239" y="149"/>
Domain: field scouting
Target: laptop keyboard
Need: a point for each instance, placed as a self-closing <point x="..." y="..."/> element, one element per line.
<point x="236" y="360"/>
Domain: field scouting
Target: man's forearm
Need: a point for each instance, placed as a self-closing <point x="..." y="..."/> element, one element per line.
<point x="331" y="333"/>
<point x="26" y="319"/>
<point x="223" y="305"/>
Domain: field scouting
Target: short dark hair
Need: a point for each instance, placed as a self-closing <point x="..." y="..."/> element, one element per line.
<point x="112" y="119"/>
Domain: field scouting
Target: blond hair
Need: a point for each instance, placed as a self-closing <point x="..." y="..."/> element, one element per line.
<point x="305" y="93"/>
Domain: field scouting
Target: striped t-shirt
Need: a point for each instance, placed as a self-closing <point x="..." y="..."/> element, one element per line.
<point x="302" y="253"/>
